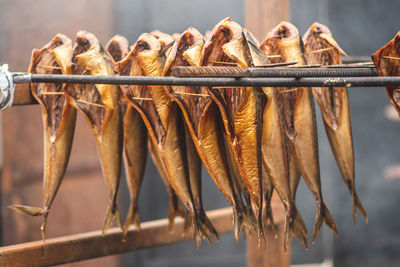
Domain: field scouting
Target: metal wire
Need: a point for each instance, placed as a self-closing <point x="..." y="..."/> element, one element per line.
<point x="211" y="81"/>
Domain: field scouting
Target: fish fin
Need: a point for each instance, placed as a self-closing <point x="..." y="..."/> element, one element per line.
<point x="286" y="232"/>
<point x="112" y="211"/>
<point x="299" y="228"/>
<point x="357" y="204"/>
<point x="28" y="210"/>
<point x="133" y="216"/>
<point x="323" y="215"/>
<point x="267" y="216"/>
<point x="333" y="42"/>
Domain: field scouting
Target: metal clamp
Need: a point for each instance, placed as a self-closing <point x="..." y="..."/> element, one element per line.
<point x="7" y="88"/>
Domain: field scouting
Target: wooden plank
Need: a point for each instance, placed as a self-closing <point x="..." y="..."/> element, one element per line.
<point x="92" y="245"/>
<point x="261" y="16"/>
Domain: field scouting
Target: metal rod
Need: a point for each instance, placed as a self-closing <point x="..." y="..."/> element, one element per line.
<point x="277" y="72"/>
<point x="212" y="81"/>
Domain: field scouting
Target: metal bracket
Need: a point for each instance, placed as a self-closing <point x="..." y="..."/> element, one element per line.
<point x="7" y="87"/>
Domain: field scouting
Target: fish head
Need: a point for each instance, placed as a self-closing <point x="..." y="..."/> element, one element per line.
<point x="164" y="38"/>
<point x="148" y="54"/>
<point x="117" y="47"/>
<point x="90" y="57"/>
<point x="222" y="33"/>
<point x="319" y="33"/>
<point x="283" y="44"/>
<point x="186" y="51"/>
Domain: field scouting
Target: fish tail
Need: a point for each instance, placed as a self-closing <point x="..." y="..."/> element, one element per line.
<point x="133" y="216"/>
<point x="299" y="228"/>
<point x="112" y="212"/>
<point x="175" y="209"/>
<point x="268" y="217"/>
<point x="28" y="210"/>
<point x="33" y="211"/>
<point x="202" y="228"/>
<point x="358" y="205"/>
<point x="237" y="223"/>
<point x="323" y="215"/>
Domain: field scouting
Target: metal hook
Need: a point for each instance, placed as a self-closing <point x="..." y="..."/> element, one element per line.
<point x="7" y="88"/>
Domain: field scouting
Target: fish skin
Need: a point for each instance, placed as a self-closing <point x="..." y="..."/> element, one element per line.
<point x="274" y="150"/>
<point x="163" y="123"/>
<point x="299" y="117"/>
<point x="389" y="67"/>
<point x="199" y="113"/>
<point x="335" y="108"/>
<point x="174" y="206"/>
<point x="58" y="123"/>
<point x="106" y="121"/>
<point x="135" y="150"/>
<point x="240" y="110"/>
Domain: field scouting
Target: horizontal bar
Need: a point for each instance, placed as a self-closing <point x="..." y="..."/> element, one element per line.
<point x="277" y="72"/>
<point x="92" y="245"/>
<point x="212" y="81"/>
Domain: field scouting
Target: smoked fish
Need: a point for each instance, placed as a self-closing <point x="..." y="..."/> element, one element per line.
<point x="274" y="148"/>
<point x="100" y="105"/>
<point x="199" y="112"/>
<point x="166" y="129"/>
<point x="283" y="44"/>
<point x="321" y="48"/>
<point x="135" y="150"/>
<point x="58" y="121"/>
<point x="241" y="109"/>
<point x="386" y="61"/>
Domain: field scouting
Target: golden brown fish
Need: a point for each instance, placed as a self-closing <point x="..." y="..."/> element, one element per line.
<point x="274" y="148"/>
<point x="321" y="48"/>
<point x="241" y="109"/>
<point x="100" y="105"/>
<point x="199" y="112"/>
<point x="135" y="150"/>
<point x="58" y="122"/>
<point x="165" y="127"/>
<point x="164" y="38"/>
<point x="299" y="117"/>
<point x="386" y="61"/>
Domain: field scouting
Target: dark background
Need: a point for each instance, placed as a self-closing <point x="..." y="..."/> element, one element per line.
<point x="360" y="27"/>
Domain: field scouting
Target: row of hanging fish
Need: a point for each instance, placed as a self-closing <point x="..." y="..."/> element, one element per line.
<point x="251" y="140"/>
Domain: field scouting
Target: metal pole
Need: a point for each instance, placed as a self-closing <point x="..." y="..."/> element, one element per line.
<point x="212" y="81"/>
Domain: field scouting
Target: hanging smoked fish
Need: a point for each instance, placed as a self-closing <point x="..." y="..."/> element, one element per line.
<point x="166" y="129"/>
<point x="321" y="48"/>
<point x="135" y="151"/>
<point x="58" y="121"/>
<point x="201" y="117"/>
<point x="284" y="43"/>
<point x="100" y="105"/>
<point x="117" y="47"/>
<point x="241" y="109"/>
<point x="274" y="148"/>
<point x="386" y="61"/>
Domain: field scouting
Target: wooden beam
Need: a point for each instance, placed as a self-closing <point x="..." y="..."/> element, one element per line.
<point x="92" y="245"/>
<point x="261" y="15"/>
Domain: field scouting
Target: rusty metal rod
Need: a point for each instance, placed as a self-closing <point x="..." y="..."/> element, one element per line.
<point x="277" y="72"/>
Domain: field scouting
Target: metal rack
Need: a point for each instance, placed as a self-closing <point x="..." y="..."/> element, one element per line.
<point x="91" y="245"/>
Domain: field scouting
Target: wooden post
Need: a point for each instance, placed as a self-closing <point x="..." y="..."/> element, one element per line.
<point x="261" y="15"/>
